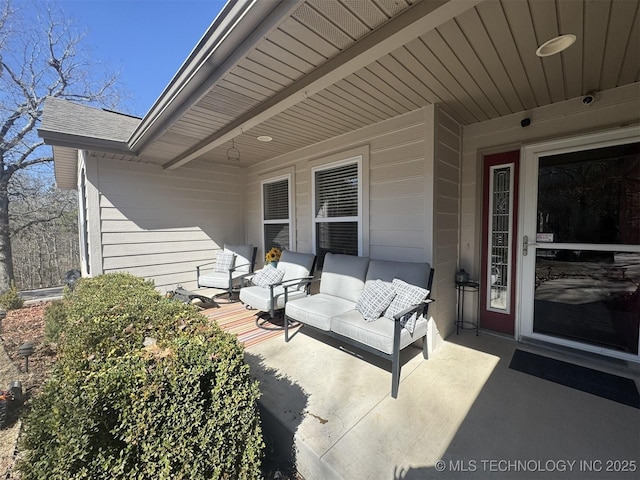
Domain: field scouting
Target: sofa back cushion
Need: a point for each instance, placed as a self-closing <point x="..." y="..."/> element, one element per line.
<point x="410" y="272"/>
<point x="343" y="276"/>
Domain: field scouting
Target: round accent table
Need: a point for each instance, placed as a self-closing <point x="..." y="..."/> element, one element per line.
<point x="461" y="324"/>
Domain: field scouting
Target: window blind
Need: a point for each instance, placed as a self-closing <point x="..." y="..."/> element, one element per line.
<point x="276" y="235"/>
<point x="337" y="209"/>
<point x="337" y="192"/>
<point x="276" y="200"/>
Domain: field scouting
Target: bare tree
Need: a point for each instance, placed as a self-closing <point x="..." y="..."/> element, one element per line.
<point x="44" y="231"/>
<point x="40" y="56"/>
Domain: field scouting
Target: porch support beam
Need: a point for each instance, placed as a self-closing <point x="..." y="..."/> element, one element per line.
<point x="412" y="23"/>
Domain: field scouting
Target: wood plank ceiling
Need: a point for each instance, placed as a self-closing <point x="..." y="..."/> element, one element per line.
<point x="480" y="65"/>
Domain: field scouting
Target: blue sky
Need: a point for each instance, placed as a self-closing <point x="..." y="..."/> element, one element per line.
<point x="146" y="40"/>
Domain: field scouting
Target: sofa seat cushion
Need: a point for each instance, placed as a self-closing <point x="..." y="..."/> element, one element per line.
<point x="317" y="310"/>
<point x="378" y="334"/>
<point x="260" y="298"/>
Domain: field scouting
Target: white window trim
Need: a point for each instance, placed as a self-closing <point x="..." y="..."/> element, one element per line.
<point x="361" y="157"/>
<point x="289" y="175"/>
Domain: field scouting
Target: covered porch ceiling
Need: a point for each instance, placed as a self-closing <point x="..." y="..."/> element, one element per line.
<point x="302" y="72"/>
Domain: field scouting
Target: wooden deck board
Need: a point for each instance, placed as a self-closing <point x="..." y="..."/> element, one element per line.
<point x="235" y="318"/>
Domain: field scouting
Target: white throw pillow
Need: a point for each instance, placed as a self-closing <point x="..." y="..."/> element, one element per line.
<point x="224" y="262"/>
<point x="374" y="300"/>
<point x="269" y="275"/>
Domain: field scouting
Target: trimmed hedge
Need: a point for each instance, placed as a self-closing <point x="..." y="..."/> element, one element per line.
<point x="145" y="388"/>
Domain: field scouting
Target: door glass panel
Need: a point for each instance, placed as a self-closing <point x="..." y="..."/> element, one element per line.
<point x="589" y="296"/>
<point x="501" y="206"/>
<point x="591" y="196"/>
<point x="586" y="286"/>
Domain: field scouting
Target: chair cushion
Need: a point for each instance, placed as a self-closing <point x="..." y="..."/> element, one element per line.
<point x="406" y="296"/>
<point x="244" y="255"/>
<point x="260" y="298"/>
<point x="375" y="299"/>
<point x="317" y="310"/>
<point x="220" y="280"/>
<point x="343" y="276"/>
<point x="295" y="264"/>
<point x="224" y="261"/>
<point x="267" y="276"/>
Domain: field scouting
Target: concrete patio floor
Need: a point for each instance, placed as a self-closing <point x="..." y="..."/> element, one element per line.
<point x="461" y="414"/>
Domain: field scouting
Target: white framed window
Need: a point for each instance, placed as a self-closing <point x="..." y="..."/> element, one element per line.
<point x="338" y="212"/>
<point x="277" y="213"/>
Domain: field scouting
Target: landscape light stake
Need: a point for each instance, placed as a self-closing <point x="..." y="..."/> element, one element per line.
<point x="26" y="350"/>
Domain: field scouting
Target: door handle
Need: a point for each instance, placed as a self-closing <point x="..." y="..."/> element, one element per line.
<point x="525" y="245"/>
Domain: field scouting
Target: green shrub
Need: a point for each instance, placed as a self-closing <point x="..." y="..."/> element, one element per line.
<point x="183" y="407"/>
<point x="11" y="299"/>
<point x="54" y="319"/>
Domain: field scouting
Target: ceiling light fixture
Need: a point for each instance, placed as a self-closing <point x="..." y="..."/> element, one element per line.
<point x="264" y="138"/>
<point x="555" y="45"/>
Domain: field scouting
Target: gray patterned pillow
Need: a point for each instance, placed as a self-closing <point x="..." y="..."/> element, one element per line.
<point x="407" y="295"/>
<point x="409" y="322"/>
<point x="374" y="300"/>
<point x="224" y="261"/>
<point x="267" y="276"/>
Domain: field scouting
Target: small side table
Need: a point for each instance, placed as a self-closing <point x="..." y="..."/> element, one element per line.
<point x="461" y="324"/>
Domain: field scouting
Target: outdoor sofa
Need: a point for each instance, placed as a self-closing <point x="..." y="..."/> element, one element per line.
<point x="353" y="300"/>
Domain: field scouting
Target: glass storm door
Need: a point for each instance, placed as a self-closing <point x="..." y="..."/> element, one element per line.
<point x="497" y="286"/>
<point x="581" y="247"/>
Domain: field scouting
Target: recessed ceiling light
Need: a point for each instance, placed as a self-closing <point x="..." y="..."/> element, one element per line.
<point x="555" y="45"/>
<point x="264" y="138"/>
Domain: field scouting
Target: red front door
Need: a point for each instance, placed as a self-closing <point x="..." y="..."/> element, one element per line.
<point x="499" y="234"/>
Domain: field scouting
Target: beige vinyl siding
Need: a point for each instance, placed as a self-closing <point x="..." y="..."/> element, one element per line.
<point x="160" y="224"/>
<point x="402" y="193"/>
<point x="447" y="143"/>
<point x="396" y="187"/>
<point x="613" y="108"/>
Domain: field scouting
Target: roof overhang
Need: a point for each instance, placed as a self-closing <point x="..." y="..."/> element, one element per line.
<point x="65" y="167"/>
<point x="304" y="71"/>
<point x="236" y="29"/>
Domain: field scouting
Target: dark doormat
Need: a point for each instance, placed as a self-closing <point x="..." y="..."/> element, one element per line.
<point x="613" y="387"/>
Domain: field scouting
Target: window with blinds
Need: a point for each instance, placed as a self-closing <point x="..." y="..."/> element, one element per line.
<point x="275" y="214"/>
<point x="337" y="210"/>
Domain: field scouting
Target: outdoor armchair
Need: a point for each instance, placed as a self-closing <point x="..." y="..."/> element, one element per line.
<point x="297" y="270"/>
<point x="230" y="267"/>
